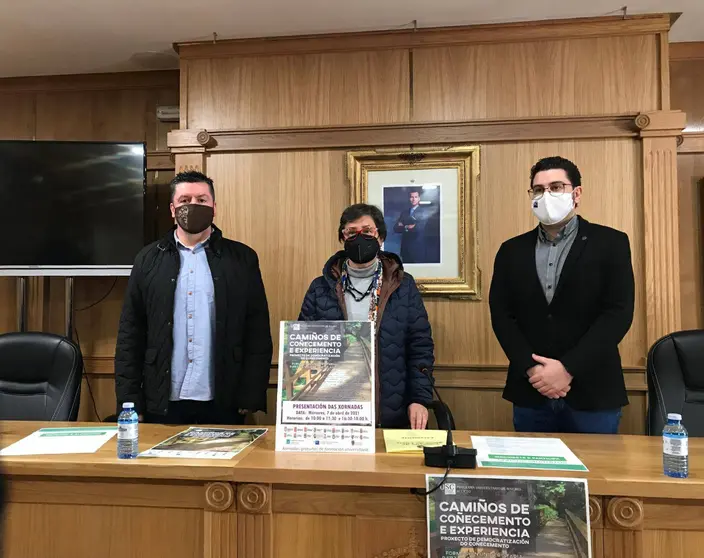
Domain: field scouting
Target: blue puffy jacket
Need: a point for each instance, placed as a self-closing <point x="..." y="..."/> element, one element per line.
<point x="404" y="341"/>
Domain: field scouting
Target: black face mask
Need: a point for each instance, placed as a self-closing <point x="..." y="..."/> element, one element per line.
<point x="362" y="248"/>
<point x="194" y="218"/>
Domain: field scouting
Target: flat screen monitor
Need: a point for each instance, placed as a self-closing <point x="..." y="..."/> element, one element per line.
<point x="71" y="208"/>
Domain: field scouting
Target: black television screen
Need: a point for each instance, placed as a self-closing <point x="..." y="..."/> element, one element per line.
<point x="71" y="208"/>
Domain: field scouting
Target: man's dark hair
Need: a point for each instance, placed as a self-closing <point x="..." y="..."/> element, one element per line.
<point x="190" y="177"/>
<point x="556" y="162"/>
<point x="416" y="190"/>
<point x="359" y="210"/>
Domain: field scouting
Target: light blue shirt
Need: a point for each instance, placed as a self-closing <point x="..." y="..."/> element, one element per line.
<point x="194" y="325"/>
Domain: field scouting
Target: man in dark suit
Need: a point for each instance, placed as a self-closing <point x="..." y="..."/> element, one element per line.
<point x="411" y="224"/>
<point x="561" y="301"/>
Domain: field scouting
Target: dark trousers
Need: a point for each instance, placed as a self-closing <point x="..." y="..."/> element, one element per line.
<point x="556" y="416"/>
<point x="195" y="412"/>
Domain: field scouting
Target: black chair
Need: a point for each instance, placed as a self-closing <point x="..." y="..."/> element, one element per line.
<point x="676" y="381"/>
<point x="40" y="377"/>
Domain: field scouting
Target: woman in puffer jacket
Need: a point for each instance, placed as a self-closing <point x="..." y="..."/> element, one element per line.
<point x="361" y="283"/>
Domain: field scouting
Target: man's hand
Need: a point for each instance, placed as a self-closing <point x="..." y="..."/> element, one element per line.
<point x="411" y="227"/>
<point x="418" y="415"/>
<point x="550" y="377"/>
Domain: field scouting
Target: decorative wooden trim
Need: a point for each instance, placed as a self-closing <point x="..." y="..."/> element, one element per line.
<point x="183" y="94"/>
<point x="465" y="376"/>
<point x="664" y="63"/>
<point x="219" y="535"/>
<point x="219" y="496"/>
<point x="160" y="160"/>
<point x="595" y="513"/>
<point x="254" y="498"/>
<point x="659" y="131"/>
<point x="416" y="133"/>
<point x="691" y="142"/>
<point x="161" y="79"/>
<point x="255" y="533"/>
<point x="189" y="161"/>
<point x="347" y="501"/>
<point x="661" y="123"/>
<point x="686" y="51"/>
<point x="625" y="513"/>
<point x="431" y="37"/>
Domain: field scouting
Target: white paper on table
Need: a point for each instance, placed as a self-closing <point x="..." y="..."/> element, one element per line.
<point x="55" y="441"/>
<point x="525" y="453"/>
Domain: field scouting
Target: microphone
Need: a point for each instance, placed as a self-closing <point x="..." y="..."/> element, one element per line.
<point x="449" y="455"/>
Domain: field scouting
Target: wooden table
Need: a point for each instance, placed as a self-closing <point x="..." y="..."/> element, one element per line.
<point x="264" y="504"/>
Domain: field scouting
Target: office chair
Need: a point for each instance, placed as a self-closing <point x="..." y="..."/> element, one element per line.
<point x="40" y="377"/>
<point x="676" y="381"/>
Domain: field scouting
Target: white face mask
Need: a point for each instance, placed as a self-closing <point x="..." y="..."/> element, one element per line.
<point x="552" y="209"/>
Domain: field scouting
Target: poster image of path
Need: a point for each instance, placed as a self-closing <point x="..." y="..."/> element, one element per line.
<point x="327" y="362"/>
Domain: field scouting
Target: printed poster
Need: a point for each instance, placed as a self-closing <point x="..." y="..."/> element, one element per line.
<point x="206" y="443"/>
<point x="508" y="517"/>
<point x="325" y="399"/>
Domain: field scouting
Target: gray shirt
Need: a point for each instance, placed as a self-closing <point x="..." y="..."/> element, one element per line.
<point x="360" y="279"/>
<point x="550" y="256"/>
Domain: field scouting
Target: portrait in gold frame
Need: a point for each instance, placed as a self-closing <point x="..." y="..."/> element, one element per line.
<point x="447" y="177"/>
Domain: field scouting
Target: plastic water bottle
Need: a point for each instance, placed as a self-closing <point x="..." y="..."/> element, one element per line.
<point x="675" y="447"/>
<point x="127" y="432"/>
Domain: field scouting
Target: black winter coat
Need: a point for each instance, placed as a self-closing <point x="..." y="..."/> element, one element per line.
<point x="404" y="338"/>
<point x="242" y="341"/>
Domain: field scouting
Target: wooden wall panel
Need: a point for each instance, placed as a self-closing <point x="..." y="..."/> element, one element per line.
<point x="687" y="93"/>
<point x="287" y="207"/>
<point x="687" y="82"/>
<point x="690" y="175"/>
<point x="300" y="90"/>
<point x="547" y="78"/>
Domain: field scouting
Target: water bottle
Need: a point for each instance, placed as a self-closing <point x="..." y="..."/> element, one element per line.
<point x="675" y="442"/>
<point x="127" y="432"/>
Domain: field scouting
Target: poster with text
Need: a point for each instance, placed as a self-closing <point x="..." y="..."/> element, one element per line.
<point x="325" y="394"/>
<point x="507" y="517"/>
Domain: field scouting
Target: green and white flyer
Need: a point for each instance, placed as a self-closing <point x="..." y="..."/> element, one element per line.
<point x="507" y="452"/>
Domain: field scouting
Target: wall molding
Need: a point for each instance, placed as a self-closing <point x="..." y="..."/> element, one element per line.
<point x="691" y="142"/>
<point x="557" y="29"/>
<point x="686" y="51"/>
<point x="461" y="376"/>
<point x="92" y="82"/>
<point x="409" y="133"/>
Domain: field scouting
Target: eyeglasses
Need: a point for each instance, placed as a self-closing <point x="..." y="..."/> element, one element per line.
<point x="555" y="189"/>
<point x="348" y="234"/>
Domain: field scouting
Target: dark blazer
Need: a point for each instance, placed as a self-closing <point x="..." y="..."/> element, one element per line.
<point x="242" y="343"/>
<point x="590" y="313"/>
<point x="404" y="340"/>
<point x="413" y="242"/>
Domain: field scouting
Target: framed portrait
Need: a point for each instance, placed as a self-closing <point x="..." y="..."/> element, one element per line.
<point x="428" y="198"/>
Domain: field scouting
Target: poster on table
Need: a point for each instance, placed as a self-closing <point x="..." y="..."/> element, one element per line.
<point x="325" y="394"/>
<point x="502" y="517"/>
<point x="206" y="443"/>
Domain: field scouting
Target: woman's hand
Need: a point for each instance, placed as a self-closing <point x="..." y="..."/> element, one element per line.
<point x="418" y="415"/>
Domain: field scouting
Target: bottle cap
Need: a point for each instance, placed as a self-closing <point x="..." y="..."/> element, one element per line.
<point x="128" y="405"/>
<point x="674" y="416"/>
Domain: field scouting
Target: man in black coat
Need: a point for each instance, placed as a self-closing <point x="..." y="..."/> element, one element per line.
<point x="194" y="344"/>
<point x="561" y="301"/>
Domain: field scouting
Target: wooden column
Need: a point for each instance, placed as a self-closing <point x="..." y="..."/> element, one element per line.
<point x="219" y="521"/>
<point x="189" y="149"/>
<point x="255" y="533"/>
<point x="623" y="532"/>
<point x="659" y="132"/>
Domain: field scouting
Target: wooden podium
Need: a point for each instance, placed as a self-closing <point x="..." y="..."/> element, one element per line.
<point x="264" y="504"/>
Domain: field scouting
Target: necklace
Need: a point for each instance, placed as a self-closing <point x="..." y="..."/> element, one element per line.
<point x="374" y="289"/>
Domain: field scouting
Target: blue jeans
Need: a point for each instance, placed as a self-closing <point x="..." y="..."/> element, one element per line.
<point x="556" y="416"/>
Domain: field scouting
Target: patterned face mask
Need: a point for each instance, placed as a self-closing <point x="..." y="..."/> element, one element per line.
<point x="194" y="218"/>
